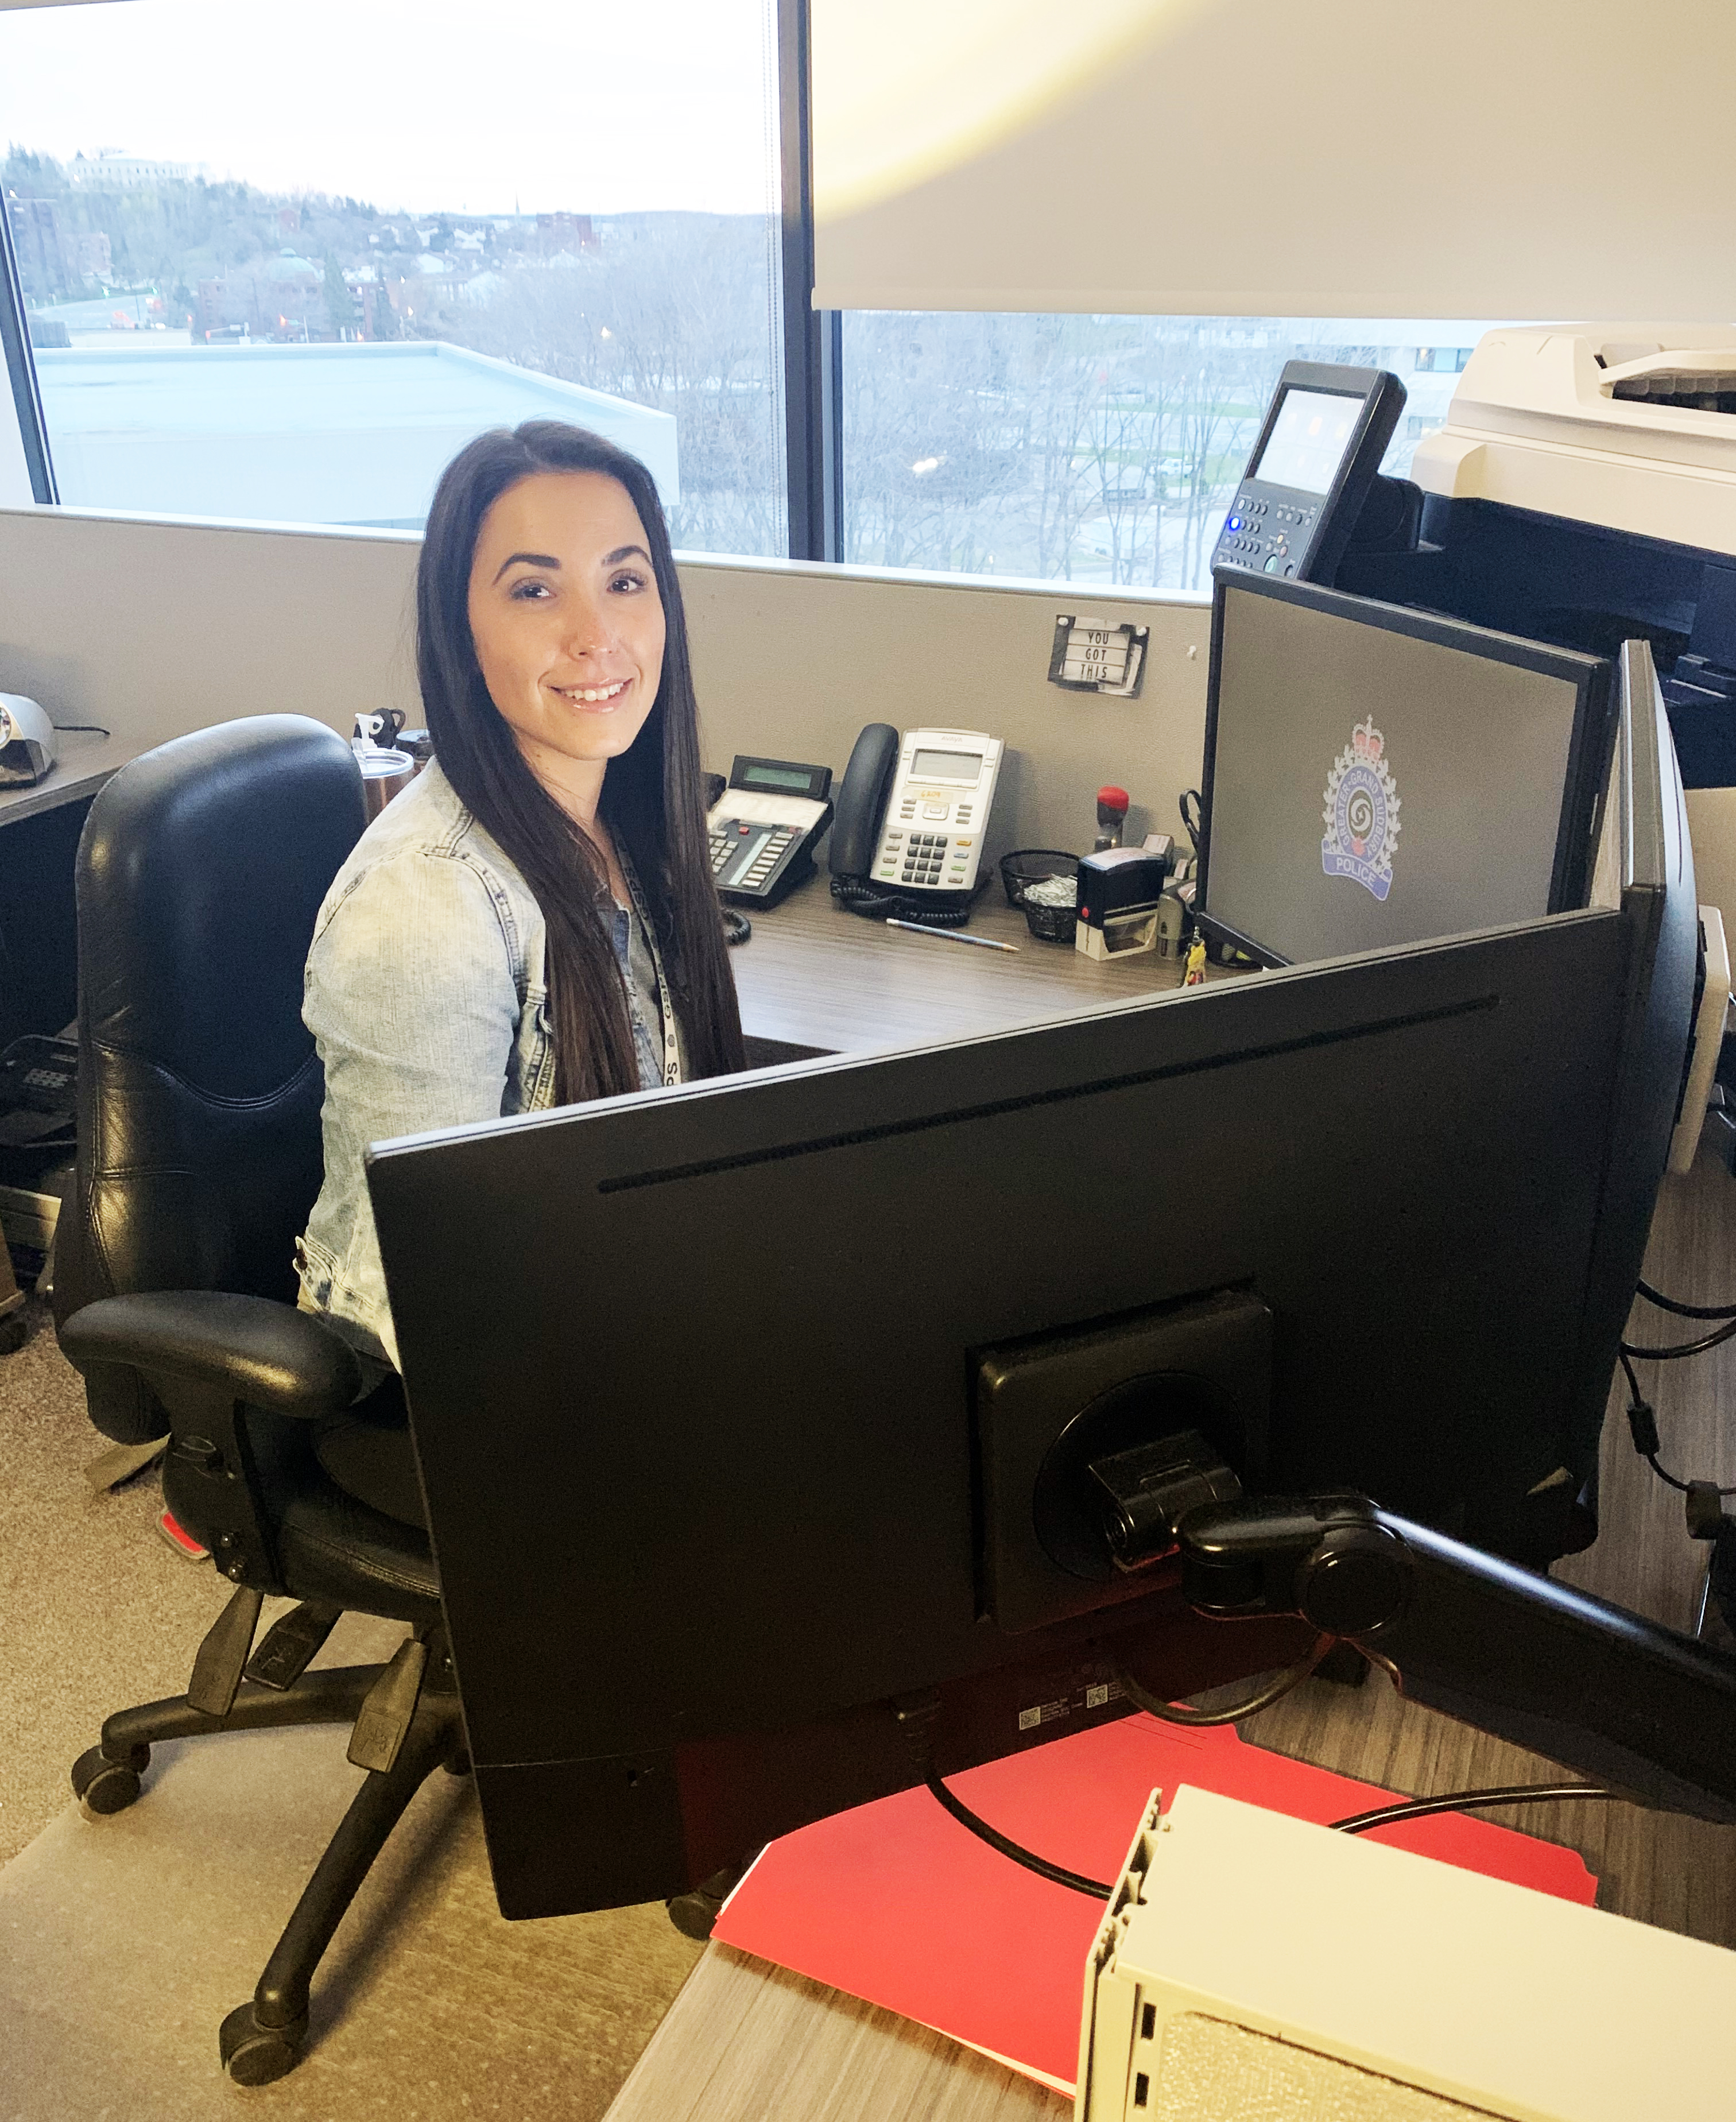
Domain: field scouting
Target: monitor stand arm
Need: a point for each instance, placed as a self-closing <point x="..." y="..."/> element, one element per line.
<point x="1639" y="1708"/>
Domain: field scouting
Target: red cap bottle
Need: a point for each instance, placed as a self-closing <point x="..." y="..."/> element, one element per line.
<point x="1112" y="814"/>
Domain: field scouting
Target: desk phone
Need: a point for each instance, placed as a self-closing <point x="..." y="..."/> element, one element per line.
<point x="913" y="810"/>
<point x="1319" y="452"/>
<point x="764" y="826"/>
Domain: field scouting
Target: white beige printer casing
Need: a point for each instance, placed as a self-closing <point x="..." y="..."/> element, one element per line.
<point x="1597" y="462"/>
<point x="1584" y="421"/>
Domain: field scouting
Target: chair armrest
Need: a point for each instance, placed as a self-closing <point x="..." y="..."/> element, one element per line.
<point x="267" y="1354"/>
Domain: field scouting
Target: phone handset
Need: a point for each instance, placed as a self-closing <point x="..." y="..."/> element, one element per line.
<point x="861" y="803"/>
<point x="907" y="838"/>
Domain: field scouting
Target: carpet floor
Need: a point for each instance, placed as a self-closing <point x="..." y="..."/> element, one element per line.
<point x="124" y="1941"/>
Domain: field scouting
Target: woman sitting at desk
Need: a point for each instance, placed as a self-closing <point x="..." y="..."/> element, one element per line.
<point x="533" y="921"/>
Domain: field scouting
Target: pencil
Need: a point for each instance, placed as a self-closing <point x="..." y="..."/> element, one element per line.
<point x="950" y="935"/>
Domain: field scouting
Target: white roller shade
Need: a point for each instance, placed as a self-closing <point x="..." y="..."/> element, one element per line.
<point x="1277" y="157"/>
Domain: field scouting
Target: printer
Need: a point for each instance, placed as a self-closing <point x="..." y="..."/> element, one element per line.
<point x="1583" y="492"/>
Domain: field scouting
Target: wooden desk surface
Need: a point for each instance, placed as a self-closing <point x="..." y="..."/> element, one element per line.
<point x="748" y="2042"/>
<point x="813" y="975"/>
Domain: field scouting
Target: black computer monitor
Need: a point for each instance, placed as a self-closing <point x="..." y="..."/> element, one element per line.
<point x="1375" y="776"/>
<point x="746" y="1410"/>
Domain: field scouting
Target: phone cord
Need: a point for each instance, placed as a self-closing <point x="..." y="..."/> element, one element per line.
<point x="856" y="895"/>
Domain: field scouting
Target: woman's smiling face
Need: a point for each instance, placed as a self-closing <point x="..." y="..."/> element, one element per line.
<point x="568" y="624"/>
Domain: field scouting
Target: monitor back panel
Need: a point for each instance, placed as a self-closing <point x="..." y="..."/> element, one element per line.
<point x="1376" y="778"/>
<point x="689" y="1372"/>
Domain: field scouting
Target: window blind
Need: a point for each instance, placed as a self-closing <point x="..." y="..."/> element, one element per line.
<point x="1276" y="158"/>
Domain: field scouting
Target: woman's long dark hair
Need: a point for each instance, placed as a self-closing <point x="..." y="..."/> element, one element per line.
<point x="652" y="799"/>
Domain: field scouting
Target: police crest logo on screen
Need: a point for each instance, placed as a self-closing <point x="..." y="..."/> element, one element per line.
<point x="1361" y="813"/>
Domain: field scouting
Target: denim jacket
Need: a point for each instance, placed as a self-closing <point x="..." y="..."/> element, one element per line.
<point x="426" y="994"/>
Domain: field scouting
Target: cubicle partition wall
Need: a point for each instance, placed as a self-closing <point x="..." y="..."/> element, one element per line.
<point x="153" y="626"/>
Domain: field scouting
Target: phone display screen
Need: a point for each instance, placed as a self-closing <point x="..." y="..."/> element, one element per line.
<point x="947" y="765"/>
<point x="1308" y="440"/>
<point x="778" y="777"/>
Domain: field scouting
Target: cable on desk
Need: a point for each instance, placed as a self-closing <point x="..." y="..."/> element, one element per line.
<point x="1355" y="1823"/>
<point x="83" y="729"/>
<point x="1096" y="1889"/>
<point x="915" y="1715"/>
<point x="1423" y="1808"/>
<point x="917" y="1718"/>
<point x="1727" y="1332"/>
<point x="1642" y="1426"/>
<point x="1178" y="1713"/>
<point x="856" y="895"/>
<point x="1686" y="1311"/>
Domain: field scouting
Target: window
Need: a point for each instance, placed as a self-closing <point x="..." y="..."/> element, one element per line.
<point x="1092" y="449"/>
<point x="282" y="261"/>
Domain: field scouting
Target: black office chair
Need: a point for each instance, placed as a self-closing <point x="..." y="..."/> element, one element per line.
<point x="200" y="871"/>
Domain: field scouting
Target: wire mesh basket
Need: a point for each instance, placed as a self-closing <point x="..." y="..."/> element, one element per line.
<point x="1030" y="866"/>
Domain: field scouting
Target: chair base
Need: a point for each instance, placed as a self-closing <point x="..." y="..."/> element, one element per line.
<point x="254" y="2055"/>
<point x="262" y="2039"/>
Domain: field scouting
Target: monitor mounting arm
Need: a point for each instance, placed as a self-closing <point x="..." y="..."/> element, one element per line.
<point x="1637" y="1707"/>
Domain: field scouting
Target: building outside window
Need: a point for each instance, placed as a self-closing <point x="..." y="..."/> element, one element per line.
<point x="280" y="263"/>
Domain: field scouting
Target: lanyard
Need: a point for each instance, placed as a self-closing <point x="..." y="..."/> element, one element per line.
<point x="665" y="1007"/>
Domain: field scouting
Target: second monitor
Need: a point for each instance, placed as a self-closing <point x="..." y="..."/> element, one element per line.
<point x="1375" y="776"/>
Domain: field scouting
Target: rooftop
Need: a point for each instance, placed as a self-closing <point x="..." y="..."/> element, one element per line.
<point x="329" y="434"/>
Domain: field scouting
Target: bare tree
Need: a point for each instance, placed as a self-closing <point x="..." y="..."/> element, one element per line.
<point x="669" y="311"/>
<point x="1062" y="448"/>
<point x="1054" y="447"/>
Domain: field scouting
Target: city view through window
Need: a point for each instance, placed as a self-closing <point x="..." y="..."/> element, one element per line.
<point x="281" y="262"/>
<point x="254" y="293"/>
<point x="670" y="312"/>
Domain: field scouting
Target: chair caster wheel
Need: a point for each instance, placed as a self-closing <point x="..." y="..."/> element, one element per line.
<point x="254" y="2055"/>
<point x="103" y="1785"/>
<point x="694" y="1911"/>
<point x="693" y="1915"/>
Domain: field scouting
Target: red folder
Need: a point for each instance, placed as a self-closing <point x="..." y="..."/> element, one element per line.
<point x="897" y="1903"/>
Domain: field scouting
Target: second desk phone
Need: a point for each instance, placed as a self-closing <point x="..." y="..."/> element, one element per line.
<point x="764" y="826"/>
<point x="913" y="809"/>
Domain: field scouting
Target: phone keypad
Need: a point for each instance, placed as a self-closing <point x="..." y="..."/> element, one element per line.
<point x="924" y="859"/>
<point x="931" y="840"/>
<point x="767" y="860"/>
<point x="727" y="846"/>
<point x="937" y="862"/>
